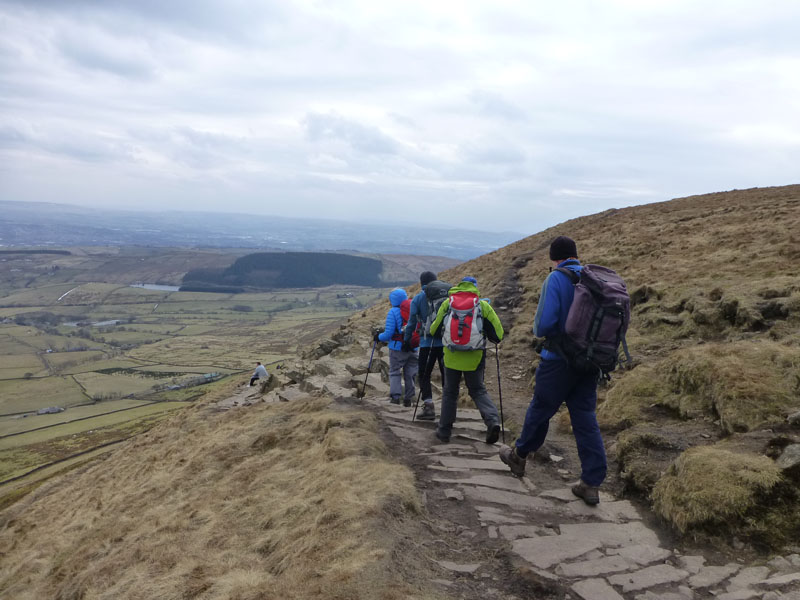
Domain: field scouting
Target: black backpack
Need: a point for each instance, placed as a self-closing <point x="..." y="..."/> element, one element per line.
<point x="435" y="293"/>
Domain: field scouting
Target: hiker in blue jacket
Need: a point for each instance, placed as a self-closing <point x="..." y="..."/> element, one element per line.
<point x="556" y="382"/>
<point x="402" y="363"/>
<point x="430" y="348"/>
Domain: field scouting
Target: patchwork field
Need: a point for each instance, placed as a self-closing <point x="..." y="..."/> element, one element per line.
<point x="117" y="358"/>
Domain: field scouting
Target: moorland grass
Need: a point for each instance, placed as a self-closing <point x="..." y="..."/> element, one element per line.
<point x="278" y="501"/>
<point x="745" y="384"/>
<point x="709" y="486"/>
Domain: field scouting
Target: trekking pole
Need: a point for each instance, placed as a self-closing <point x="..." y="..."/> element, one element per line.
<point x="416" y="406"/>
<point x="500" y="393"/>
<point x="369" y="366"/>
<point x="424" y="374"/>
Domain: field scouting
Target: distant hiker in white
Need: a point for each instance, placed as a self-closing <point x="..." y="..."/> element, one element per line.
<point x="259" y="373"/>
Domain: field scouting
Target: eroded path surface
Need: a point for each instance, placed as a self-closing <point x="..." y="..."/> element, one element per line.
<point x="539" y="541"/>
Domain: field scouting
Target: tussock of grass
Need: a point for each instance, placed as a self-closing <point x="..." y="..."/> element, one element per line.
<point x="283" y="501"/>
<point x="630" y="395"/>
<point x="709" y="485"/>
<point x="747" y="384"/>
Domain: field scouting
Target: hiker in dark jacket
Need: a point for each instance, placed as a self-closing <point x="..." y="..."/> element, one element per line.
<point x="430" y="347"/>
<point x="402" y="363"/>
<point x="557" y="382"/>
<point x="469" y="364"/>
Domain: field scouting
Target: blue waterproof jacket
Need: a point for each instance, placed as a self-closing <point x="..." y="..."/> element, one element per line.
<point x="418" y="314"/>
<point x="554" y="302"/>
<point x="394" y="320"/>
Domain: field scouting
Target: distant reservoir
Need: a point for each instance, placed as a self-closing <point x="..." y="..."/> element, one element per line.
<point x="153" y="286"/>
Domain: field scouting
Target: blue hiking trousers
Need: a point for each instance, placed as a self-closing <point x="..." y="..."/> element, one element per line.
<point x="555" y="383"/>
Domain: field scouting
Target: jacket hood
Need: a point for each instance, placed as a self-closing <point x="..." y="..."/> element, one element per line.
<point x="397" y="295"/>
<point x="464" y="286"/>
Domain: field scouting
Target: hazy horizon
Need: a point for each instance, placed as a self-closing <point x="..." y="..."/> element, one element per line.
<point x="511" y="117"/>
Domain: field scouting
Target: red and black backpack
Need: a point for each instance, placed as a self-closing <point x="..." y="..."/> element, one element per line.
<point x="405" y="313"/>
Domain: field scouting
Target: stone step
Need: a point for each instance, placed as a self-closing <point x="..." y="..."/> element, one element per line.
<point x="612" y="534"/>
<point x="545" y="552"/>
<point x="648" y="577"/>
<point x="470" y="463"/>
<point x="501" y="482"/>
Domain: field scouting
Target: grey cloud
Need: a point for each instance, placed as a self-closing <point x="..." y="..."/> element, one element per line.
<point x="73" y="144"/>
<point x="362" y="138"/>
<point x="307" y="106"/>
<point x="233" y="20"/>
<point x="103" y="53"/>
<point x="493" y="153"/>
<point x="491" y="104"/>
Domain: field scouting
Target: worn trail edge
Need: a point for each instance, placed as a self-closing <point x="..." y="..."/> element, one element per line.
<point x="495" y="535"/>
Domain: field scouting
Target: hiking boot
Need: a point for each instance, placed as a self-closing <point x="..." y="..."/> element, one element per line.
<point x="394" y="400"/>
<point x="428" y="413"/>
<point x="407" y="402"/>
<point x="444" y="438"/>
<point x="509" y="456"/>
<point x="589" y="493"/>
<point x="493" y="434"/>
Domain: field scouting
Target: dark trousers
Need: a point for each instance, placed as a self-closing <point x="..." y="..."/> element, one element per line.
<point x="434" y="355"/>
<point x="253" y="380"/>
<point x="555" y="383"/>
<point x="477" y="391"/>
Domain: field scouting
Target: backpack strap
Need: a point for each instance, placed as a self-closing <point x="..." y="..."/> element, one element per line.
<point x="399" y="336"/>
<point x="573" y="276"/>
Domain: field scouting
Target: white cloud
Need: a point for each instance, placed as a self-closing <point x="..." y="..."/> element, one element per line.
<point x="534" y="112"/>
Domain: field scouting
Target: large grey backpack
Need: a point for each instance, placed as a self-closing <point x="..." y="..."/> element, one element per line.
<point x="435" y="294"/>
<point x="597" y="321"/>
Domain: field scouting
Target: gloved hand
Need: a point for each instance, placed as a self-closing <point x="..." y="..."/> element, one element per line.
<point x="406" y="347"/>
<point x="538" y="344"/>
<point x="376" y="334"/>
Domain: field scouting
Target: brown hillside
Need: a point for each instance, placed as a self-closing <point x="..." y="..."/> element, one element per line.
<point x="715" y="334"/>
<point x="305" y="499"/>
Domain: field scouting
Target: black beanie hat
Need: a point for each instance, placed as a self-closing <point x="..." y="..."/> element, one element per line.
<point x="563" y="247"/>
<point x="426" y="277"/>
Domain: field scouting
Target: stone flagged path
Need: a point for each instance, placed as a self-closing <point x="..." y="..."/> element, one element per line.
<point x="605" y="552"/>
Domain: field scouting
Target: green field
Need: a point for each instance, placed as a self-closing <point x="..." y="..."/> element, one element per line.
<point x="109" y="353"/>
<point x="19" y="395"/>
<point x="22" y="453"/>
<point x="22" y="423"/>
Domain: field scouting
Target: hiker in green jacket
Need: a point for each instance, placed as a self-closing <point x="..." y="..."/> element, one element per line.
<point x="464" y="322"/>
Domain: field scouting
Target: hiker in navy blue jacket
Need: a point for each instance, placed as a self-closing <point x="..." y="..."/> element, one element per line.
<point x="557" y="382"/>
<point x="402" y="364"/>
<point x="430" y="348"/>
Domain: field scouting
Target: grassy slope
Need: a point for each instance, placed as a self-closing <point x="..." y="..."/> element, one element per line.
<point x="246" y="504"/>
<point x="276" y="501"/>
<point x="715" y="332"/>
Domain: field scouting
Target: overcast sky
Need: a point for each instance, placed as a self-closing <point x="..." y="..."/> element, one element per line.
<point x="488" y="115"/>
